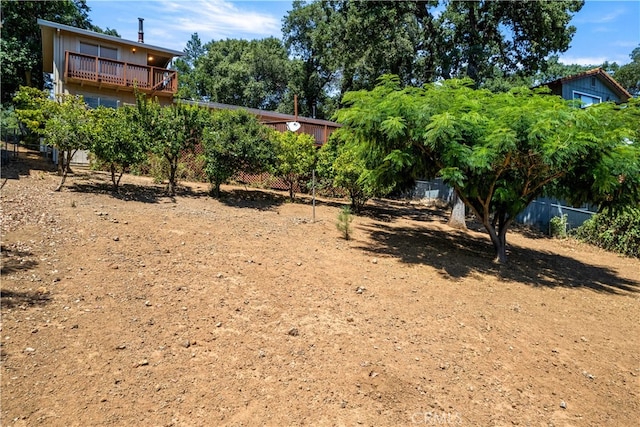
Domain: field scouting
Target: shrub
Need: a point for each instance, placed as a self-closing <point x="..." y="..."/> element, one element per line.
<point x="558" y="226"/>
<point x="617" y="232"/>
<point x="344" y="222"/>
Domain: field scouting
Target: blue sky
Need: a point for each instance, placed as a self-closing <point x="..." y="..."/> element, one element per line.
<point x="607" y="30"/>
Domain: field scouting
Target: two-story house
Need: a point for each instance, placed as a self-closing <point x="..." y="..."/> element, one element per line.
<point x="105" y="69"/>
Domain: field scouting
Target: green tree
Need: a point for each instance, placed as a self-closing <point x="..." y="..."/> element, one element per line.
<point x="295" y="158"/>
<point x="346" y="45"/>
<point x="119" y="140"/>
<point x="628" y="75"/>
<point x="188" y="84"/>
<point x="69" y="129"/>
<point x="20" y="38"/>
<point x="339" y="161"/>
<point x="33" y="107"/>
<point x="500" y="151"/>
<point x="252" y="74"/>
<point x="170" y="130"/>
<point x="65" y="123"/>
<point x="235" y="141"/>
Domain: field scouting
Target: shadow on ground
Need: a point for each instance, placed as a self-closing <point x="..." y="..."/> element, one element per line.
<point x="252" y="199"/>
<point x="27" y="161"/>
<point x="457" y="254"/>
<point x="11" y="299"/>
<point x="14" y="261"/>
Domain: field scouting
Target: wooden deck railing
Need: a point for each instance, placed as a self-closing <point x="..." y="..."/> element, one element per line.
<point x="101" y="71"/>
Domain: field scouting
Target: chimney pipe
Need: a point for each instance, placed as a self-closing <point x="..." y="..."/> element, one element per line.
<point x="140" y="31"/>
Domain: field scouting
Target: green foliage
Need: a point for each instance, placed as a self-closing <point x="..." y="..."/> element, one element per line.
<point x="345" y="218"/>
<point x="119" y="141"/>
<point x="628" y="75"/>
<point x="347" y="45"/>
<point x="558" y="226"/>
<point x="614" y="231"/>
<point x="20" y="39"/>
<point x="235" y="141"/>
<point x="499" y="151"/>
<point x="170" y="130"/>
<point x="33" y="108"/>
<point x="239" y="72"/>
<point x="295" y="158"/>
<point x="340" y="162"/>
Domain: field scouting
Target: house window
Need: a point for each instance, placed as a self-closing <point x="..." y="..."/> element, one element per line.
<point x="586" y="99"/>
<point x="593" y="82"/>
<point x="95" y="102"/>
<point x="98" y="50"/>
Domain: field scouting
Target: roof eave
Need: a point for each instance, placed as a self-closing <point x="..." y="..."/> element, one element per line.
<point x="88" y="33"/>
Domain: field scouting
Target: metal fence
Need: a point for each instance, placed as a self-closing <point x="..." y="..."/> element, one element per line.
<point x="538" y="214"/>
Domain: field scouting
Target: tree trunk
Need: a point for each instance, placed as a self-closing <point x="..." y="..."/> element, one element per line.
<point x="65" y="161"/>
<point x="499" y="238"/>
<point x="173" y="168"/>
<point x="457" y="217"/>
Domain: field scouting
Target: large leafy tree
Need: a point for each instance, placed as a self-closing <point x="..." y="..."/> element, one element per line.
<point x="119" y="140"/>
<point x="171" y="130"/>
<point x="233" y="142"/>
<point x="21" y="53"/>
<point x="499" y="151"/>
<point x="347" y="44"/>
<point x="628" y="75"/>
<point x="252" y="73"/>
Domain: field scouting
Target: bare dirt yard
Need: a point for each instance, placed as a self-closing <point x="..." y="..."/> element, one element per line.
<point x="145" y="310"/>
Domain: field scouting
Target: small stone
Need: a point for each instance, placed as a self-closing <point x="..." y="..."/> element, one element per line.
<point x="29" y="350"/>
<point x="143" y="362"/>
<point x="563" y="405"/>
<point x="374" y="261"/>
<point x="218" y="324"/>
<point x="293" y="332"/>
<point x="147" y="303"/>
<point x="121" y="347"/>
<point x="350" y="319"/>
<point x="186" y="344"/>
<point x="360" y="289"/>
<point x="116" y="238"/>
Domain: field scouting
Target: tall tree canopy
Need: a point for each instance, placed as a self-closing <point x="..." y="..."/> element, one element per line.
<point x="628" y="75"/>
<point x="248" y="73"/>
<point x="347" y="44"/>
<point x="499" y="151"/>
<point x="21" y="53"/>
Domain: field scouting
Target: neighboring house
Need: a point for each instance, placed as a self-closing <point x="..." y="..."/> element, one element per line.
<point x="319" y="129"/>
<point x="591" y="87"/>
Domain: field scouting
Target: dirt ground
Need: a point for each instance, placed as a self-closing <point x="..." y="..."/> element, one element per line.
<point x="140" y="309"/>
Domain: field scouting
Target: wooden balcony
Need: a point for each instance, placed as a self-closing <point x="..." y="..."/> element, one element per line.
<point x="101" y="72"/>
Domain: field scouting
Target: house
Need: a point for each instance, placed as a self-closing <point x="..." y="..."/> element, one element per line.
<point x="105" y="69"/>
<point x="319" y="129"/>
<point x="590" y="87"/>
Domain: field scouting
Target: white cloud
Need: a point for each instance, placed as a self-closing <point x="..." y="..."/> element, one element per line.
<point x="593" y="60"/>
<point x="215" y="19"/>
<point x="170" y="23"/>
